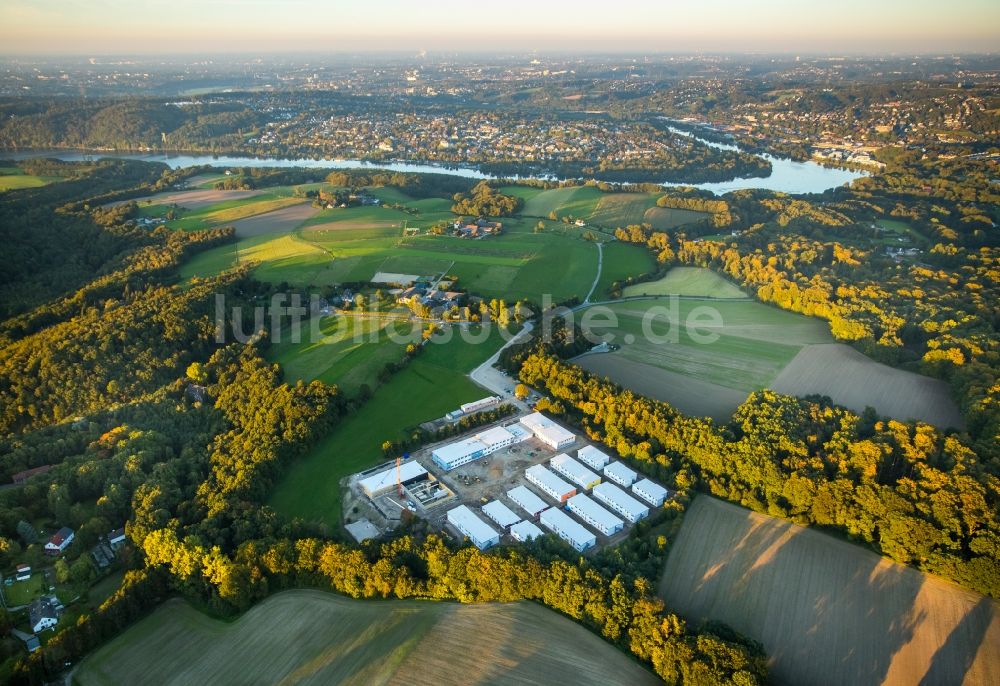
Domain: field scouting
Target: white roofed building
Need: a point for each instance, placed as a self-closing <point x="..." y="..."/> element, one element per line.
<point x="592" y="457"/>
<point x="527" y="500"/>
<point x="620" y="474"/>
<point x="472" y="527"/>
<point x="567" y="528"/>
<point x="574" y="471"/>
<point x="551" y="485"/>
<point x="653" y="493"/>
<point x="589" y="511"/>
<point x="485" y="442"/>
<point x="620" y="501"/>
<point x="478" y="405"/>
<point x="547" y="431"/>
<point x="381" y="482"/>
<point x="525" y="531"/>
<point x="500" y="513"/>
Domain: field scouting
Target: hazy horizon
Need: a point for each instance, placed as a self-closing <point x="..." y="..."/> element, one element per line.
<point x="186" y="27"/>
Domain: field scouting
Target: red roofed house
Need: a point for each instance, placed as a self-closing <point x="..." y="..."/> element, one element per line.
<point x="22" y="477"/>
<point x="60" y="541"/>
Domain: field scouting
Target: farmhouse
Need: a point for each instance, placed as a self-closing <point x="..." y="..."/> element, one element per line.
<point x="22" y="572"/>
<point x="652" y="493"/>
<point x="478" y="229"/>
<point x="568" y="529"/>
<point x="472" y="527"/>
<point x="556" y="488"/>
<point x="410" y="472"/>
<point x="43" y="613"/>
<point x="574" y="471"/>
<point x="525" y="531"/>
<point x="620" y="474"/>
<point x="592" y="457"/>
<point x="60" y="541"/>
<point x="453" y="455"/>
<point x="500" y="513"/>
<point x="547" y="431"/>
<point x="620" y="501"/>
<point x="586" y="509"/>
<point x="526" y="500"/>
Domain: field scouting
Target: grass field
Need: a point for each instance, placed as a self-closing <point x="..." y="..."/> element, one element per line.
<point x="754" y="343"/>
<point x="579" y="201"/>
<point x="827" y="611"/>
<point x="312" y="637"/>
<point x="351" y="352"/>
<point x="856" y="381"/>
<point x="23" y="592"/>
<point x="691" y="281"/>
<point x="432" y="384"/>
<point x="622" y="260"/>
<point x="621" y="209"/>
<point x="13" y="178"/>
<point x="665" y="218"/>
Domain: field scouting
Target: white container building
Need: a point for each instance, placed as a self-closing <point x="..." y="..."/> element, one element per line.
<point x="620" y="474"/>
<point x="480" y="405"/>
<point x="551" y="485"/>
<point x="500" y="513"/>
<point x="547" y="431"/>
<point x="620" y="501"/>
<point x="459" y="453"/>
<point x="472" y="527"/>
<point x="527" y="500"/>
<point x="567" y="528"/>
<point x="653" y="493"/>
<point x="592" y="457"/>
<point x="589" y="511"/>
<point x="525" y="531"/>
<point x="574" y="471"/>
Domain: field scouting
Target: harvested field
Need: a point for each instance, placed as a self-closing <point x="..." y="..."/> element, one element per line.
<point x="277" y="221"/>
<point x="855" y="381"/>
<point x="312" y="637"/>
<point x="196" y="199"/>
<point x="828" y="611"/>
<point x="688" y="281"/>
<point x="688" y="394"/>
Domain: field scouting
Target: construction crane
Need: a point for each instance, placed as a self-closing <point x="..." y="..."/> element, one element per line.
<point x="399" y="481"/>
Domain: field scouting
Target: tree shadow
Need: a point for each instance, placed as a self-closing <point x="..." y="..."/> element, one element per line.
<point x="954" y="658"/>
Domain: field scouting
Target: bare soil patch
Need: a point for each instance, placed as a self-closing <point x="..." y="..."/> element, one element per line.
<point x="278" y="221"/>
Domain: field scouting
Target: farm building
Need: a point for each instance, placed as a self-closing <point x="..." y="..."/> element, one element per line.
<point x="453" y="455"/>
<point x="547" y="431"/>
<point x="589" y="511"/>
<point x="384" y="481"/>
<point x="60" y="541"/>
<point x="620" y="501"/>
<point x="620" y="474"/>
<point x="472" y="527"/>
<point x="479" y="405"/>
<point x="592" y="457"/>
<point x="574" y="471"/>
<point x="551" y="484"/>
<point x="526" y="500"/>
<point x="652" y="493"/>
<point x="525" y="531"/>
<point x="500" y="513"/>
<point x="567" y="528"/>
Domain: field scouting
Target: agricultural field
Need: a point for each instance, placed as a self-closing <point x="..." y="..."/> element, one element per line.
<point x="433" y="384"/>
<point x="13" y="178"/>
<point x="350" y="352"/>
<point x="828" y="611"/>
<point x="577" y="201"/>
<point x="621" y="261"/>
<point x="688" y="281"/>
<point x="666" y="218"/>
<point x="856" y="381"/>
<point x="621" y="209"/>
<point x="312" y="637"/>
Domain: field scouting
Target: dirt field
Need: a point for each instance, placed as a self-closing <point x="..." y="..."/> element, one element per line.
<point x="351" y="225"/>
<point x="854" y="381"/>
<point x="311" y="637"/>
<point x="690" y="395"/>
<point x="278" y="221"/>
<point x="827" y="611"/>
<point x="196" y="199"/>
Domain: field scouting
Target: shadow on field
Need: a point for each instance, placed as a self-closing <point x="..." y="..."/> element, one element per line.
<point x="959" y="652"/>
<point x="824" y="615"/>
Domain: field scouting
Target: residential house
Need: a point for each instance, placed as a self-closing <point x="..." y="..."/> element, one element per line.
<point x="43" y="613"/>
<point x="22" y="477"/>
<point x="60" y="541"/>
<point x="23" y="572"/>
<point x="116" y="539"/>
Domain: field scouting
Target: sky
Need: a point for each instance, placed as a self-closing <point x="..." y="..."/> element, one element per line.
<point x="102" y="27"/>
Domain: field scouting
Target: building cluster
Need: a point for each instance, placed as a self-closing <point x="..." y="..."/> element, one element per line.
<point x="481" y="228"/>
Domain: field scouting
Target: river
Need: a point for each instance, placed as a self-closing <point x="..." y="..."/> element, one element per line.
<point x="786" y="176"/>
